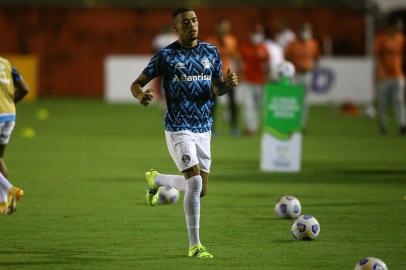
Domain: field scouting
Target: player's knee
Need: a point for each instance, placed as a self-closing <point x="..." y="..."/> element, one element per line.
<point x="203" y="193"/>
<point x="193" y="171"/>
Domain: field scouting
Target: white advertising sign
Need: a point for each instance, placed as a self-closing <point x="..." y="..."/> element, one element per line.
<point x="119" y="73"/>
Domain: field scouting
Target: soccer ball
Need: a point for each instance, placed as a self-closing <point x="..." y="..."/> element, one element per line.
<point x="370" y="263"/>
<point x="285" y="70"/>
<point x="288" y="207"/>
<point x="305" y="227"/>
<point x="167" y="195"/>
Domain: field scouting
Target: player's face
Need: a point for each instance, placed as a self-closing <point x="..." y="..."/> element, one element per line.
<point x="187" y="26"/>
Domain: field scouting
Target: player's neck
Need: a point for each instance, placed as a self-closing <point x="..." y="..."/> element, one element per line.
<point x="188" y="43"/>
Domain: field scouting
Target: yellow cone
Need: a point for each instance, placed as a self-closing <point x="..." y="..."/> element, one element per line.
<point x="28" y="132"/>
<point x="42" y="114"/>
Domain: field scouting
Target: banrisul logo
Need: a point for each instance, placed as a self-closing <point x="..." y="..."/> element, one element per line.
<point x="191" y="78"/>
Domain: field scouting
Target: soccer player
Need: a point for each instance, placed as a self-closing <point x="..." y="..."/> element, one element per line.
<point x="303" y="53"/>
<point x="389" y="50"/>
<point x="12" y="90"/>
<point x="192" y="74"/>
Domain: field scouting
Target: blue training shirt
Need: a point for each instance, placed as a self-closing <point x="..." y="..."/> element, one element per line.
<point x="188" y="74"/>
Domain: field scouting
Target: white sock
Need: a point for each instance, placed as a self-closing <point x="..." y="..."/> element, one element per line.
<point x="175" y="181"/>
<point x="3" y="197"/>
<point x="4" y="188"/>
<point x="191" y="205"/>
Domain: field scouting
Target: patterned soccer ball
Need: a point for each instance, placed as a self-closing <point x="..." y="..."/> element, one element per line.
<point x="370" y="263"/>
<point x="285" y="70"/>
<point x="288" y="207"/>
<point x="305" y="227"/>
<point x="168" y="195"/>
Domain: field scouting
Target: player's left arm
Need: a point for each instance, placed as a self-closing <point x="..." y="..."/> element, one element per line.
<point x="224" y="84"/>
<point x="20" y="86"/>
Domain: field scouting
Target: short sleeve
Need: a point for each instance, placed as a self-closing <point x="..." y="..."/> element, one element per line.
<point x="217" y="72"/>
<point x="16" y="75"/>
<point x="154" y="67"/>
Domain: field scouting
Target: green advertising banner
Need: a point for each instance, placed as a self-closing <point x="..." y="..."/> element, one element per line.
<point x="282" y="111"/>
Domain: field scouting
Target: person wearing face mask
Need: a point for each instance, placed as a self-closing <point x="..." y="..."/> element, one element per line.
<point x="255" y="68"/>
<point x="227" y="45"/>
<point x="389" y="49"/>
<point x="303" y="53"/>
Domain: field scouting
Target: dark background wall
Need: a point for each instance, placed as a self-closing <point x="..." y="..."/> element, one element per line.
<point x="72" y="42"/>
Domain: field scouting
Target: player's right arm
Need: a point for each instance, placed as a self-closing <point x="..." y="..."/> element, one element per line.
<point x="21" y="87"/>
<point x="153" y="69"/>
<point x="144" y="97"/>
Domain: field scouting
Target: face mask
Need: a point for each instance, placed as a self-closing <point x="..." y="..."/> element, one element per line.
<point x="306" y="35"/>
<point x="257" y="38"/>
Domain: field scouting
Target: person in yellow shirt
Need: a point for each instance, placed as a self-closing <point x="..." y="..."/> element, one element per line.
<point x="12" y="90"/>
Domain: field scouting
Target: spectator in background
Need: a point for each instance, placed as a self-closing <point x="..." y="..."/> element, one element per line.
<point x="255" y="58"/>
<point x="388" y="50"/>
<point x="283" y="34"/>
<point x="227" y="46"/>
<point x="164" y="38"/>
<point x="160" y="41"/>
<point x="276" y="54"/>
<point x="303" y="53"/>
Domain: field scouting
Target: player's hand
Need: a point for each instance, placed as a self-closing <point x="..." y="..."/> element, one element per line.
<point x="145" y="97"/>
<point x="231" y="79"/>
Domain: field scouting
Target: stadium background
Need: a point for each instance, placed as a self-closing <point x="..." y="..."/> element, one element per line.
<point x="81" y="160"/>
<point x="64" y="35"/>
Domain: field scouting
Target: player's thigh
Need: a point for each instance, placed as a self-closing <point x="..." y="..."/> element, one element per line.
<point x="258" y="92"/>
<point x="246" y="90"/>
<point x="399" y="86"/>
<point x="182" y="148"/>
<point x="6" y="128"/>
<point x="203" y="150"/>
<point x="383" y="93"/>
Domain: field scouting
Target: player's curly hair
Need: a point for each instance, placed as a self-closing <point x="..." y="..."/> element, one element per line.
<point x="180" y="10"/>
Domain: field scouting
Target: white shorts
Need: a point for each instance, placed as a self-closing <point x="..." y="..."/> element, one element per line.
<point x="188" y="149"/>
<point x="5" y="131"/>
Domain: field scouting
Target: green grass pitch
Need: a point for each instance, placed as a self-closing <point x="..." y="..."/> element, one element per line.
<point x="84" y="206"/>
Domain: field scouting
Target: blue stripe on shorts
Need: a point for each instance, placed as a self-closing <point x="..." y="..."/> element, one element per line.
<point x="7" y="118"/>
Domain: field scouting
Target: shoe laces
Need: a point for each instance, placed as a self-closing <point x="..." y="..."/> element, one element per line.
<point x="200" y="250"/>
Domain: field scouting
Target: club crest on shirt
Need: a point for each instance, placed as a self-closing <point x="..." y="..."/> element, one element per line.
<point x="186" y="159"/>
<point x="206" y="62"/>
